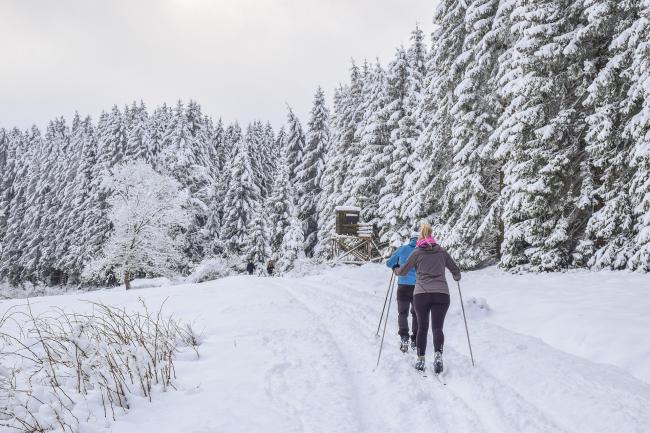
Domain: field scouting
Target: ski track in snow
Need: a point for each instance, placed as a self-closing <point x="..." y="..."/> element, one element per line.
<point x="522" y="385"/>
<point x="299" y="354"/>
<point x="506" y="410"/>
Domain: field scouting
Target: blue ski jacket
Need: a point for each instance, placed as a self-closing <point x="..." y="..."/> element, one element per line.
<point x="399" y="257"/>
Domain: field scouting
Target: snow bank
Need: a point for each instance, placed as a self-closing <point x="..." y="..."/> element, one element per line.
<point x="602" y="316"/>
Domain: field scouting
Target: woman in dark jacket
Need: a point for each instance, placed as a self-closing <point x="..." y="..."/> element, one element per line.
<point x="431" y="294"/>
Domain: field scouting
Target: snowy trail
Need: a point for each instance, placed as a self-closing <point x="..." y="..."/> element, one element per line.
<point x="522" y="385"/>
<point x="297" y="355"/>
<point x="500" y="408"/>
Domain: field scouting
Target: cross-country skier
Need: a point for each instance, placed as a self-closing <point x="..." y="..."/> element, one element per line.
<point x="250" y="267"/>
<point x="431" y="294"/>
<point x="270" y="266"/>
<point x="405" y="287"/>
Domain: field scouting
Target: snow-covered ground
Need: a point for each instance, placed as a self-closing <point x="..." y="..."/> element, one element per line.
<point x="554" y="353"/>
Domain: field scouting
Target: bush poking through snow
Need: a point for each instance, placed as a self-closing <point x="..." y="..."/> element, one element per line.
<point x="213" y="268"/>
<point x="61" y="370"/>
<point x="477" y="308"/>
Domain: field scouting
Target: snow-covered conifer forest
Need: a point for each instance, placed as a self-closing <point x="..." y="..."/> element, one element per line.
<point x="519" y="129"/>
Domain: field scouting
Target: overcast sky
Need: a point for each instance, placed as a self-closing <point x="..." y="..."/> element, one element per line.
<point x="240" y="59"/>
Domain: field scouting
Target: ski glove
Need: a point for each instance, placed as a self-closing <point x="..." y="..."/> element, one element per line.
<point x="395" y="266"/>
<point x="457" y="277"/>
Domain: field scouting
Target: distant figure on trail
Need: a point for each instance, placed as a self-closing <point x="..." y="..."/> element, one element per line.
<point x="405" y="287"/>
<point x="270" y="266"/>
<point x="250" y="267"/>
<point x="431" y="294"/>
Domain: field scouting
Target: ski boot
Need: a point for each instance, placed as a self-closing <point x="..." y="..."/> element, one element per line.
<point x="420" y="364"/>
<point x="404" y="346"/>
<point x="437" y="363"/>
<point x="413" y="345"/>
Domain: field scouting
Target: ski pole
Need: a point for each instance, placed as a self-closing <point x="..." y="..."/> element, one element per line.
<point x="390" y="300"/>
<point x="465" y="320"/>
<point x="392" y="275"/>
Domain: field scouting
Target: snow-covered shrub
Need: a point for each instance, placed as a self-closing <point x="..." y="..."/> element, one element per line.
<point x="215" y="267"/>
<point x="62" y="370"/>
<point x="145" y="283"/>
<point x="477" y="308"/>
<point x="29" y="290"/>
<point x="305" y="267"/>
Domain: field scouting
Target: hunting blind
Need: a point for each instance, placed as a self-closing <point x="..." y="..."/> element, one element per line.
<point x="353" y="241"/>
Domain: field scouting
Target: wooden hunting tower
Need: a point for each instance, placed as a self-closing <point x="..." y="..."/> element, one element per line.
<point x="353" y="241"/>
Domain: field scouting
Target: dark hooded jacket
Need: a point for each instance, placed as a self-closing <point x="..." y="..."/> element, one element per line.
<point x="430" y="262"/>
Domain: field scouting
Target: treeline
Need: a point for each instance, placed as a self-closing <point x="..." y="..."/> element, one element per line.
<point x="521" y="132"/>
<point x="54" y="199"/>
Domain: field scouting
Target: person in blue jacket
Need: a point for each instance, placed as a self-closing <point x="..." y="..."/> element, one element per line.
<point x="405" y="287"/>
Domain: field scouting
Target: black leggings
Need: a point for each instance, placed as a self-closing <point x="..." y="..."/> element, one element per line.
<point x="404" y="302"/>
<point x="436" y="305"/>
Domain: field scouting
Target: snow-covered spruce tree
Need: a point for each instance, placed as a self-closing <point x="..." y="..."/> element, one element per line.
<point x="410" y="128"/>
<point x="396" y="153"/>
<point x="608" y="238"/>
<point x="15" y="183"/>
<point x="270" y="152"/>
<point x="424" y="186"/>
<point x="277" y="205"/>
<point x="545" y="83"/>
<point x="112" y="136"/>
<point x="258" y="153"/>
<point x="98" y="157"/>
<point x="344" y="143"/>
<point x="330" y="186"/>
<point x="292" y="247"/>
<point x="468" y="228"/>
<point x="417" y="60"/>
<point x="279" y="147"/>
<point x="218" y="156"/>
<point x="638" y="129"/>
<point x="67" y="212"/>
<point x="26" y="233"/>
<point x="7" y="167"/>
<point x="8" y="161"/>
<point x="216" y="147"/>
<point x="148" y="212"/>
<point x="185" y="156"/>
<point x="230" y="141"/>
<point x="45" y="197"/>
<point x="259" y="248"/>
<point x="295" y="144"/>
<point x="84" y="208"/>
<point x="154" y="134"/>
<point x="338" y="183"/>
<point x="310" y="170"/>
<point x="352" y="110"/>
<point x="136" y="143"/>
<point x="370" y="166"/>
<point x="240" y="203"/>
